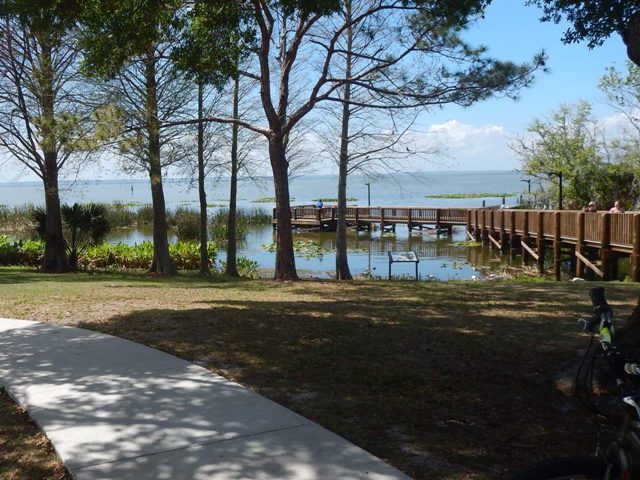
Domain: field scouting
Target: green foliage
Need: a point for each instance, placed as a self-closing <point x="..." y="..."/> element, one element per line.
<point x="254" y="216"/>
<point x="145" y="215"/>
<point x="303" y="248"/>
<point x="269" y="200"/>
<point x="39" y="219"/>
<point x="83" y="225"/>
<point x="324" y="200"/>
<point x="186" y="223"/>
<point x="185" y="255"/>
<point x="568" y="143"/>
<point x="246" y="267"/>
<point x="591" y="21"/>
<point x="121" y="215"/>
<point x="220" y="231"/>
<point x="16" y="219"/>
<point x="245" y="218"/>
<point x="21" y="252"/>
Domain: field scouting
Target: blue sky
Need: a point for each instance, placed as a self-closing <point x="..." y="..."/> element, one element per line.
<point x="477" y="137"/>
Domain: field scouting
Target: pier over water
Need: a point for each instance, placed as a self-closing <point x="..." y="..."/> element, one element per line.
<point x="590" y="242"/>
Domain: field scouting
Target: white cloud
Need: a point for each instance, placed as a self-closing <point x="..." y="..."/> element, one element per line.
<point x="472" y="147"/>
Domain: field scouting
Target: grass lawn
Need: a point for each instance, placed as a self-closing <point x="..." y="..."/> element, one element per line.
<point x="442" y="380"/>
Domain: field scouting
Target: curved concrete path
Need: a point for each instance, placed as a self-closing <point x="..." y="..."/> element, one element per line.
<point x="117" y="410"/>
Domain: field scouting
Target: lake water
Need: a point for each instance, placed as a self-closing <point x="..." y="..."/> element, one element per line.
<point x="440" y="256"/>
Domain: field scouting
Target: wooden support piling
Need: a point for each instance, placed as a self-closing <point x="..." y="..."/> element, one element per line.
<point x="579" y="249"/>
<point x="540" y="242"/>
<point x="557" y="245"/>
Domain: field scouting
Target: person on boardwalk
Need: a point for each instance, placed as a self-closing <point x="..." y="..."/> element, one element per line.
<point x="617" y="208"/>
<point x="319" y="204"/>
<point x="592" y="207"/>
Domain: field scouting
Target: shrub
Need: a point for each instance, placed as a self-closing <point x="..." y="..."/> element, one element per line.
<point x="185" y="255"/>
<point x="186" y="223"/>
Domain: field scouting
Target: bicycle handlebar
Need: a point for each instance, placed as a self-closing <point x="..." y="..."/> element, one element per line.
<point x="601" y="324"/>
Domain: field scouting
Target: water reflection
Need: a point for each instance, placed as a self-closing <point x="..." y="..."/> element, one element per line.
<point x="443" y="257"/>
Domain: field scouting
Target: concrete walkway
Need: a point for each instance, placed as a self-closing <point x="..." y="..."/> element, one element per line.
<point x="117" y="410"/>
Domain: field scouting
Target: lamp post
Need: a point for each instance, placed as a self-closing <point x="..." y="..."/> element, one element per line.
<point x="528" y="180"/>
<point x="559" y="175"/>
<point x="368" y="184"/>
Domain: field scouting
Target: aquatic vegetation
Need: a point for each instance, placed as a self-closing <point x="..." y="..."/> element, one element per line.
<point x="471" y="195"/>
<point x="269" y="200"/>
<point x="324" y="200"/>
<point x="303" y="248"/>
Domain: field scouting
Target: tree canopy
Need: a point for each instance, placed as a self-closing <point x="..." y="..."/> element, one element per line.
<point x="595" y="21"/>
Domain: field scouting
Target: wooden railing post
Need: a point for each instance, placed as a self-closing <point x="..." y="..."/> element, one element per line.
<point x="469" y="224"/>
<point x="381" y="220"/>
<point x="635" y="255"/>
<point x="437" y="219"/>
<point x="525" y="239"/>
<point x="580" y="244"/>
<point x="557" y="244"/>
<point x="476" y="227"/>
<point x="512" y="234"/>
<point x="540" y="242"/>
<point x="605" y="244"/>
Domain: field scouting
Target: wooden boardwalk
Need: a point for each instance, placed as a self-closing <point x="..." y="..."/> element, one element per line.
<point x="592" y="243"/>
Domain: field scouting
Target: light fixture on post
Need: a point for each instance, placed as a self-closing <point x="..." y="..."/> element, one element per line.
<point x="559" y="175"/>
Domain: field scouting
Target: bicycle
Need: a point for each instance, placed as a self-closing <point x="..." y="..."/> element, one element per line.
<point x="620" y="459"/>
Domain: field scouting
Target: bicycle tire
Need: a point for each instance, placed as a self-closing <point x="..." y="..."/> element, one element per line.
<point x="585" y="467"/>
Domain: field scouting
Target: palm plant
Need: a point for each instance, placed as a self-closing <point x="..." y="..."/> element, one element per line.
<point x="84" y="225"/>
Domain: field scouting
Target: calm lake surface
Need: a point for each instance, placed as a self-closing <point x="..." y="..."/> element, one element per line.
<point x="440" y="257"/>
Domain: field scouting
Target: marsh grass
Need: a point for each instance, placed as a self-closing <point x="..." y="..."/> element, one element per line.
<point x="443" y="380"/>
<point x="16" y="219"/>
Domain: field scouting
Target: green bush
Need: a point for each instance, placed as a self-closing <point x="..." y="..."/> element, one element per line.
<point x="186" y="223"/>
<point x="21" y="252"/>
<point x="185" y="255"/>
<point x="120" y="215"/>
<point x="144" y="215"/>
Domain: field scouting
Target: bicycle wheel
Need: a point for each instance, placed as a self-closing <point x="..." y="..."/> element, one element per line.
<point x="565" y="468"/>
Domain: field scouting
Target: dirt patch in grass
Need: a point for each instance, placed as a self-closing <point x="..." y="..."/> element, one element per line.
<point x="25" y="453"/>
<point x="455" y="380"/>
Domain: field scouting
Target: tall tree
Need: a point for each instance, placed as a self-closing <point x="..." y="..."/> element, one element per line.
<point x="42" y="122"/>
<point x="372" y="34"/>
<point x="571" y="142"/>
<point x="130" y="41"/>
<point x="595" y="21"/>
<point x="291" y="42"/>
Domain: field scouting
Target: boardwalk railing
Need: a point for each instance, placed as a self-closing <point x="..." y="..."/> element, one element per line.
<point x="598" y="239"/>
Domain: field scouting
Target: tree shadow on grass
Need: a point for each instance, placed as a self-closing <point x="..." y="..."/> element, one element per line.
<point x="437" y="386"/>
<point x="113" y="409"/>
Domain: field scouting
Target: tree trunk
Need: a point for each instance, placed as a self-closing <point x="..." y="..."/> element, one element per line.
<point x="55" y="255"/>
<point x="232" y="267"/>
<point x="161" y="259"/>
<point x="631" y="38"/>
<point x="55" y="249"/>
<point x="342" y="261"/>
<point x="204" y="238"/>
<point x="285" y="259"/>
